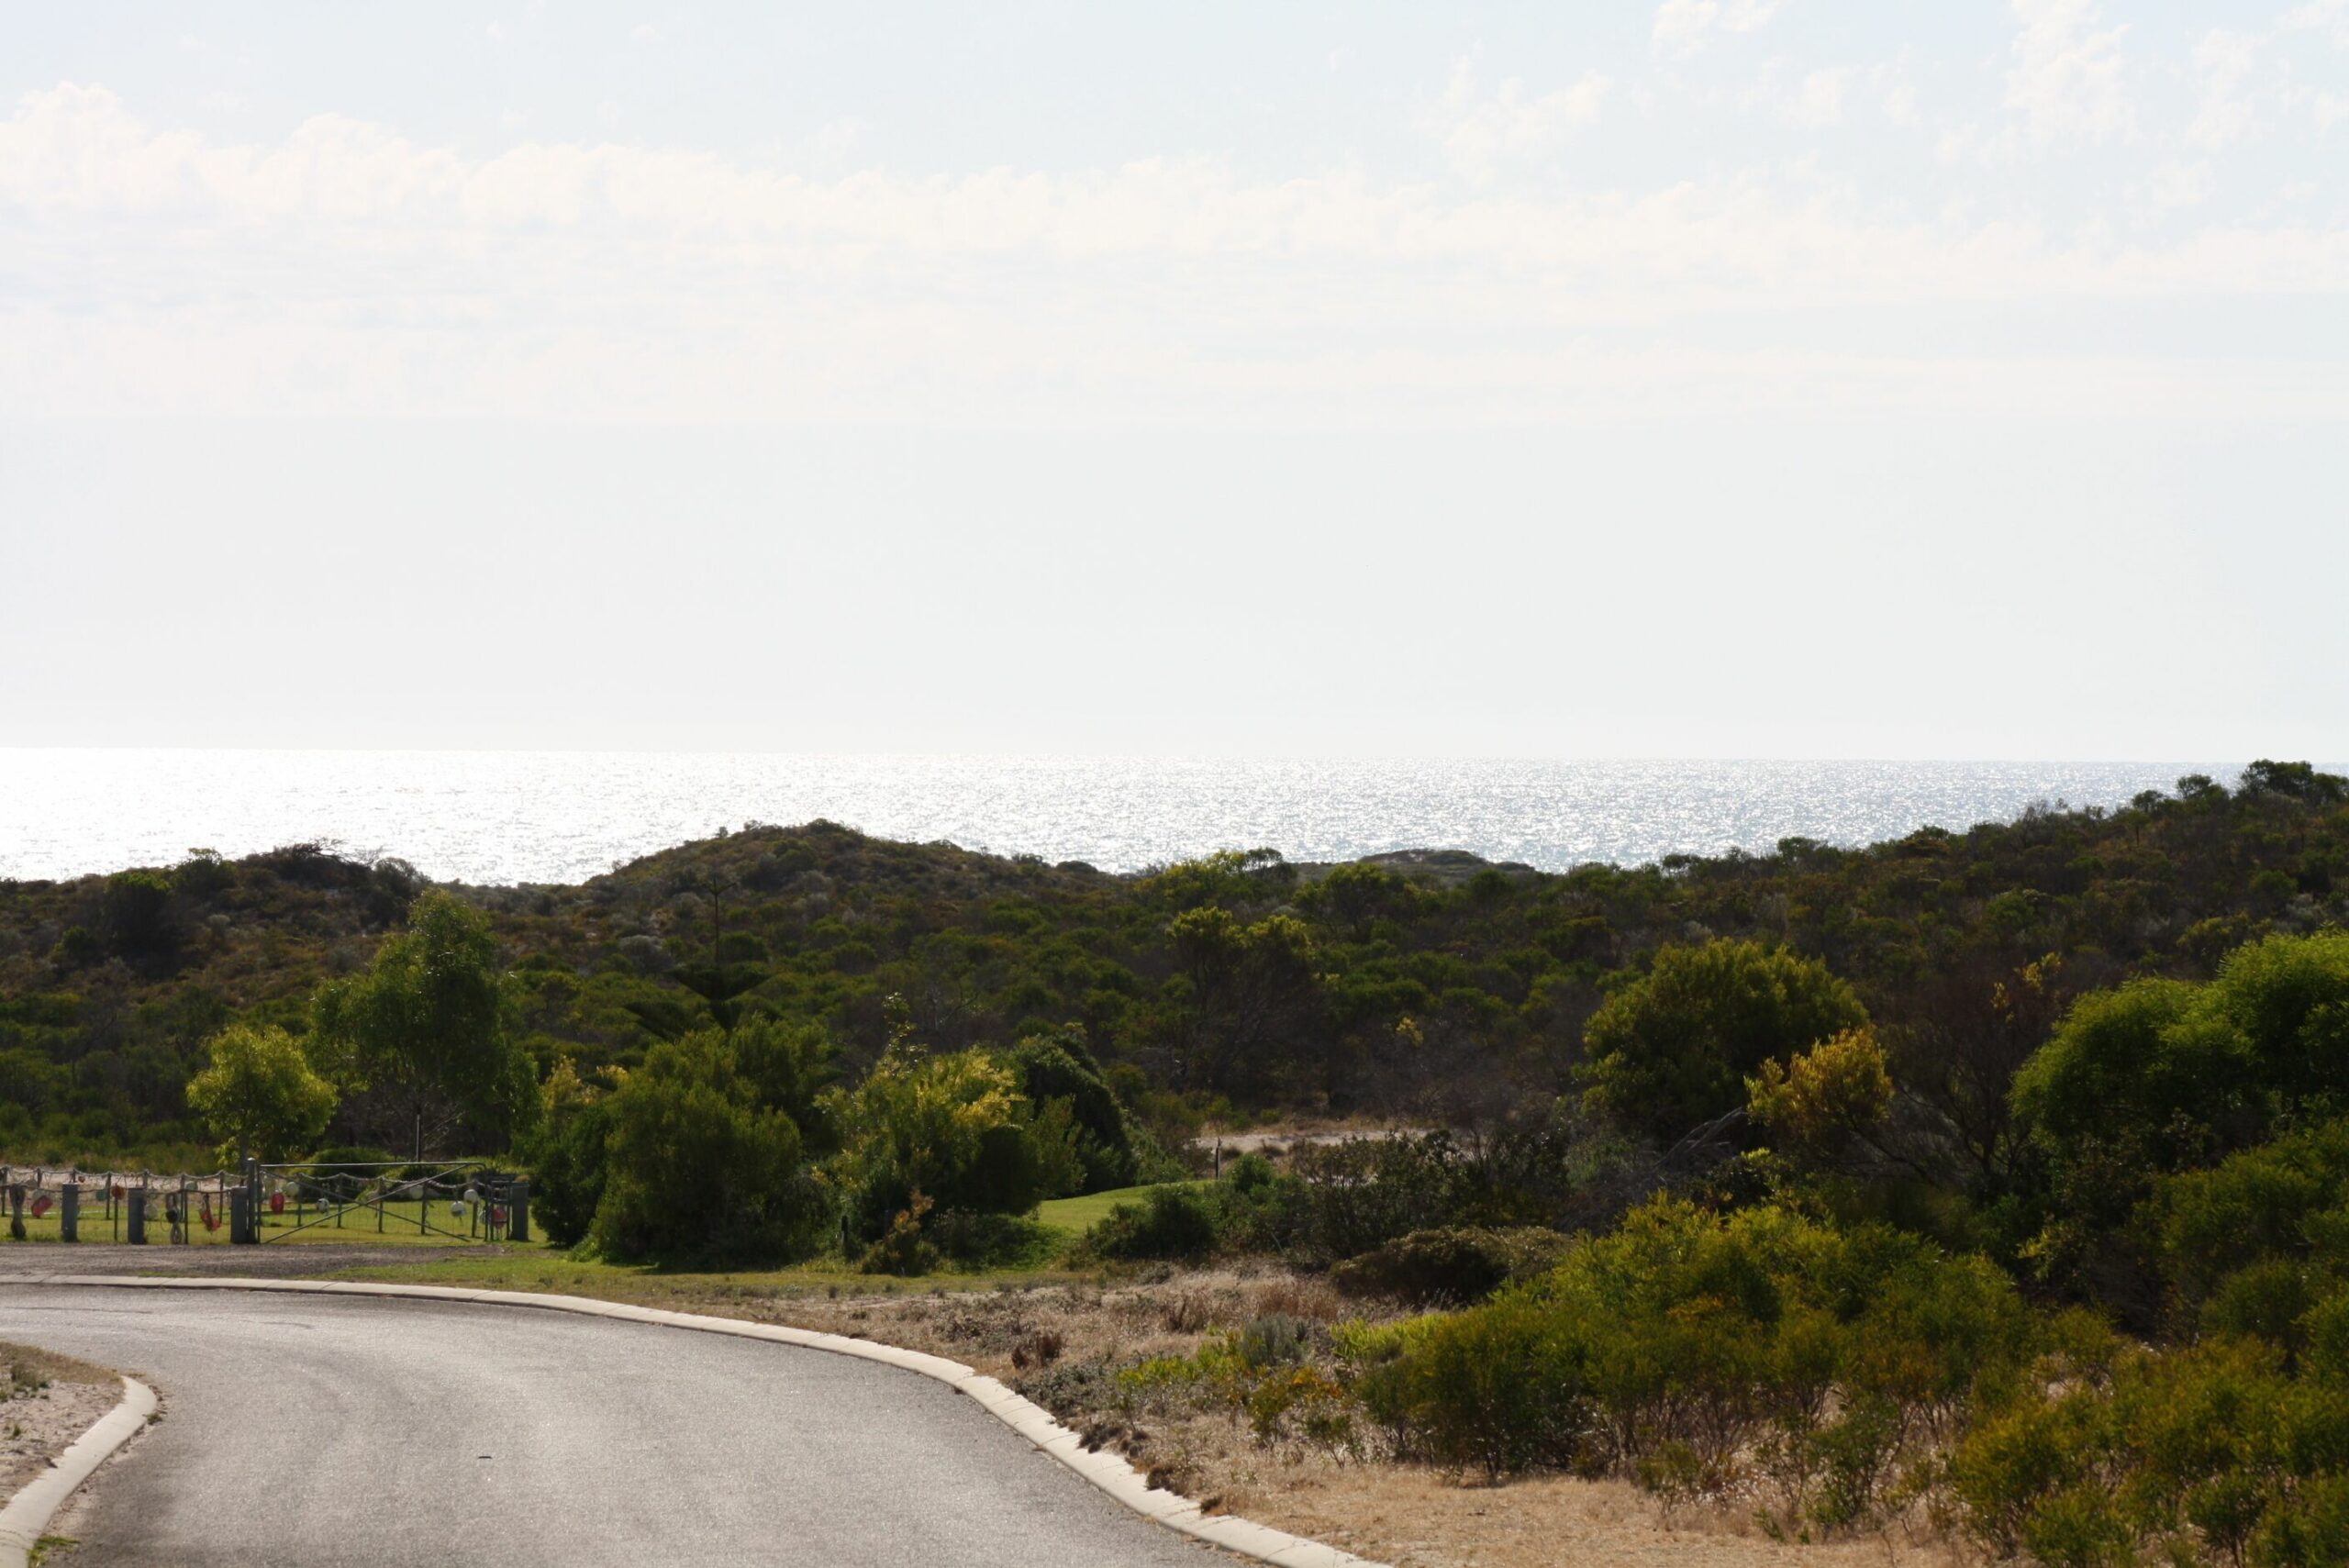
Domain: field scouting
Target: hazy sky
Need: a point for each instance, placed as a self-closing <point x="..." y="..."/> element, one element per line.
<point x="1717" y="377"/>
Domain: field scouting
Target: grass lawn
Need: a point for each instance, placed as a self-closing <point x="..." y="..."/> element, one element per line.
<point x="536" y="1266"/>
<point x="681" y="1288"/>
<point x="1079" y="1215"/>
<point x="551" y="1270"/>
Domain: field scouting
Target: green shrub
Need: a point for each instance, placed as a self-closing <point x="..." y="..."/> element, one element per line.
<point x="1674" y="1048"/>
<point x="697" y="1170"/>
<point x="2162" y="1076"/>
<point x="1363" y="1193"/>
<point x="1500" y="1389"/>
<point x="1276" y="1339"/>
<point x="1170" y="1223"/>
<point x="1113" y="1148"/>
<point x="2213" y="1454"/>
<point x="955" y="1127"/>
<point x="992" y="1241"/>
<point x="135" y="910"/>
<point x="2253" y="1245"/>
<point x="353" y="1154"/>
<point x="1685" y="1344"/>
<point x="1450" y="1267"/>
<point x="567" y="1154"/>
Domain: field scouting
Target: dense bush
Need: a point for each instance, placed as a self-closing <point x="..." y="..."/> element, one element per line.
<point x="697" y="1169"/>
<point x="2208" y="1455"/>
<point x="1698" y="1352"/>
<point x="1452" y="1267"/>
<point x="1542" y="1164"/>
<point x="1113" y="1148"/>
<point x="789" y="1067"/>
<point x="1672" y="1048"/>
<point x="1172" y="1223"/>
<point x="567" y="1154"/>
<point x="2161" y="1077"/>
<point x="2258" y="1245"/>
<point x="954" y="1128"/>
<point x="1424" y="985"/>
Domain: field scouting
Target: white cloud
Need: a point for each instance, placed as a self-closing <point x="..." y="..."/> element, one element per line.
<point x="2065" y="82"/>
<point x="1684" y="26"/>
<point x="347" y="268"/>
<point x="1478" y="132"/>
<point x="836" y="139"/>
<point x="1820" y="101"/>
<point x="645" y="32"/>
<point x="2328" y="17"/>
<point x="2223" y="64"/>
<point x="2176" y="187"/>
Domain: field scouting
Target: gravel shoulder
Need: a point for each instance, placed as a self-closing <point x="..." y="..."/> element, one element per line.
<point x="47" y="1400"/>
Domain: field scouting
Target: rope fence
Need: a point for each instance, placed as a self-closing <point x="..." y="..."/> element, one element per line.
<point x="461" y="1201"/>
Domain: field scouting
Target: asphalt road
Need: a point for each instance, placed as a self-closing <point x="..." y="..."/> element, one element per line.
<point x="321" y="1431"/>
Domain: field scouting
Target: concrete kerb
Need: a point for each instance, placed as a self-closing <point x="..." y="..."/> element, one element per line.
<point x="1107" y="1472"/>
<point x="26" y="1519"/>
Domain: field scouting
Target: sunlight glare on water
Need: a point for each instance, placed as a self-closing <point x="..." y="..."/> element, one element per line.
<point x="508" y="816"/>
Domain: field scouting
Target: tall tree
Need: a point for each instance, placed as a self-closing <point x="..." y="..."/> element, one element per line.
<point x="428" y="1022"/>
<point x="1674" y="1048"/>
<point x="260" y="1093"/>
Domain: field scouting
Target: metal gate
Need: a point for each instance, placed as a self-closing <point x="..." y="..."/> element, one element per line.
<point x="460" y="1201"/>
<point x="453" y="1201"/>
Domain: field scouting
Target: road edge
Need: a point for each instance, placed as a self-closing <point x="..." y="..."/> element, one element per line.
<point x="1108" y="1472"/>
<point x="25" y="1517"/>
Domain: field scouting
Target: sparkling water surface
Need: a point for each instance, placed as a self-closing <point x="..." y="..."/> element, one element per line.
<point x="508" y="816"/>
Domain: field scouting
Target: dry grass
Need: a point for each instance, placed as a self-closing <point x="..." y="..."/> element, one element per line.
<point x="1415" y="1518"/>
<point x="46" y="1401"/>
<point x="1026" y="1330"/>
<point x="1406" y="1514"/>
<point x="27" y="1367"/>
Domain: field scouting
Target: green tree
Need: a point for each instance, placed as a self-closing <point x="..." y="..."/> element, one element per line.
<point x="136" y="911"/>
<point x="697" y="1170"/>
<point x="259" y="1095"/>
<point x="428" y="1023"/>
<point x="2162" y="1075"/>
<point x="953" y="1128"/>
<point x="1242" y="990"/>
<point x="788" y="1067"/>
<point x="1058" y="1069"/>
<point x="567" y="1151"/>
<point x="1825" y="1096"/>
<point x="1672" y="1048"/>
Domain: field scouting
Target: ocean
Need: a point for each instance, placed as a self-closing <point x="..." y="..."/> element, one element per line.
<point x="520" y="816"/>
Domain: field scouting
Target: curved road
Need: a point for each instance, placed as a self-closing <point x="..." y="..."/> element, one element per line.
<point x="310" y="1431"/>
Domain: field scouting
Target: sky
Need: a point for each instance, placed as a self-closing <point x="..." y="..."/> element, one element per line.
<point x="1720" y="378"/>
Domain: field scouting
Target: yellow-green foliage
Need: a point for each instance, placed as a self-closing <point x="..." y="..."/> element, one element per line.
<point x="2208" y="1455"/>
<point x="1695" y="1346"/>
<point x="2231" y="1449"/>
<point x="1824" y="1095"/>
<point x="259" y="1096"/>
<point x="955" y="1127"/>
<point x="1673" y="1048"/>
